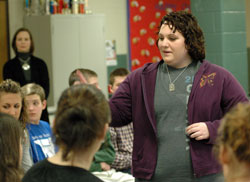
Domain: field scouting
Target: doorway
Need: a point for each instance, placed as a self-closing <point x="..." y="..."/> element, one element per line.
<point x="4" y="35"/>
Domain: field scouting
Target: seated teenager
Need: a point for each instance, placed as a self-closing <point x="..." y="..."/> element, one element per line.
<point x="40" y="133"/>
<point x="121" y="137"/>
<point x="10" y="149"/>
<point x="106" y="154"/>
<point x="11" y="102"/>
<point x="80" y="126"/>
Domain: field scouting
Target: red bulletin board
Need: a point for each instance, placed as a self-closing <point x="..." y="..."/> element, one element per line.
<point x="144" y="17"/>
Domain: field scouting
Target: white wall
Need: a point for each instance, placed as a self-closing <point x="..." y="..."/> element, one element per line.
<point x="248" y="22"/>
<point x="116" y="21"/>
<point x="16" y="13"/>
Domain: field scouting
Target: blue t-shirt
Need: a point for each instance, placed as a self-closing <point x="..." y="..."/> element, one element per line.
<point x="41" y="141"/>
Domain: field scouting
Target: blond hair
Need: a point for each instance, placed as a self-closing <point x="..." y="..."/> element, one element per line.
<point x="32" y="89"/>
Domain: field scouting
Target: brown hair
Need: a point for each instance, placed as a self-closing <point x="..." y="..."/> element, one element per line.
<point x="234" y="132"/>
<point x="10" y="86"/>
<point x="32" y="89"/>
<point x="187" y="25"/>
<point x="87" y="73"/>
<point x="82" y="113"/>
<point x="117" y="72"/>
<point x="32" y="48"/>
<point x="10" y="138"/>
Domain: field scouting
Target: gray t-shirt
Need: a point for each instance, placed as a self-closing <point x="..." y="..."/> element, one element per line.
<point x="174" y="160"/>
<point x="27" y="160"/>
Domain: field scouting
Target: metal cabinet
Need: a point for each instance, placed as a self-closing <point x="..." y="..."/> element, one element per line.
<point x="67" y="42"/>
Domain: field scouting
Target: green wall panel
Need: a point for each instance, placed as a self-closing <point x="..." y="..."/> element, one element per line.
<point x="224" y="25"/>
<point x="233" y="21"/>
<point x="234" y="42"/>
<point x="233" y="5"/>
<point x="205" y="5"/>
<point x="213" y="42"/>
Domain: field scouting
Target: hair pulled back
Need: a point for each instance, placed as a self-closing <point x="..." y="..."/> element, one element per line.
<point x="82" y="113"/>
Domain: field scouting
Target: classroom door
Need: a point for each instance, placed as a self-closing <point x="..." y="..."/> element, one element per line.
<point x="4" y="41"/>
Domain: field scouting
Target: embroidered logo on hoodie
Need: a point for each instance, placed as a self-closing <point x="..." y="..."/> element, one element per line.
<point x="207" y="79"/>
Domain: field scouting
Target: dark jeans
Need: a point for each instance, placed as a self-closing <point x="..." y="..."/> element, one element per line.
<point x="209" y="178"/>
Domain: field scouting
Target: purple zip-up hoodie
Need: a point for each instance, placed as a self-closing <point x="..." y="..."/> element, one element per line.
<point x="214" y="92"/>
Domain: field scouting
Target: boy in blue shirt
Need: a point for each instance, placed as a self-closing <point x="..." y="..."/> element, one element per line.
<point x="40" y="133"/>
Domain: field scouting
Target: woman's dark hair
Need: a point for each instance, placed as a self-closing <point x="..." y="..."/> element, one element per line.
<point x="82" y="113"/>
<point x="185" y="23"/>
<point x="10" y="141"/>
<point x="31" y="40"/>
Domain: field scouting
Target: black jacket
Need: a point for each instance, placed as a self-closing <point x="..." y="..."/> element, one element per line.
<point x="39" y="72"/>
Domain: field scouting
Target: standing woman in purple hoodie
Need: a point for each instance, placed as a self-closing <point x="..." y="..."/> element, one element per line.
<point x="176" y="106"/>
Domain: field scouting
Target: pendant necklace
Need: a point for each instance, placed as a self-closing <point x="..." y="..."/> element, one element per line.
<point x="25" y="64"/>
<point x="171" y="85"/>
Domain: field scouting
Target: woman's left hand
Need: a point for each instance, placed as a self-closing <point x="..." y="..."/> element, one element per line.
<point x="198" y="131"/>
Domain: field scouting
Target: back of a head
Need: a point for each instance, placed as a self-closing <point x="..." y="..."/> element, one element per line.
<point x="81" y="116"/>
<point x="117" y="72"/>
<point x="10" y="140"/>
<point x="87" y="73"/>
<point x="234" y="132"/>
<point x="33" y="89"/>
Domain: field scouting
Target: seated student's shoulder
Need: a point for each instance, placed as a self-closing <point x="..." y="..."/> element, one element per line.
<point x="44" y="124"/>
<point x="49" y="172"/>
<point x="36" y="172"/>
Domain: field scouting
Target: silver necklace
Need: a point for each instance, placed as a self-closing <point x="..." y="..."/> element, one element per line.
<point x="26" y="66"/>
<point x="171" y="85"/>
<point x="25" y="63"/>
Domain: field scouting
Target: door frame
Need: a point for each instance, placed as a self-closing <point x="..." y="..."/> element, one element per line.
<point x="4" y="35"/>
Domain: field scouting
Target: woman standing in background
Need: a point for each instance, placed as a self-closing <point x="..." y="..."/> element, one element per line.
<point x="26" y="68"/>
